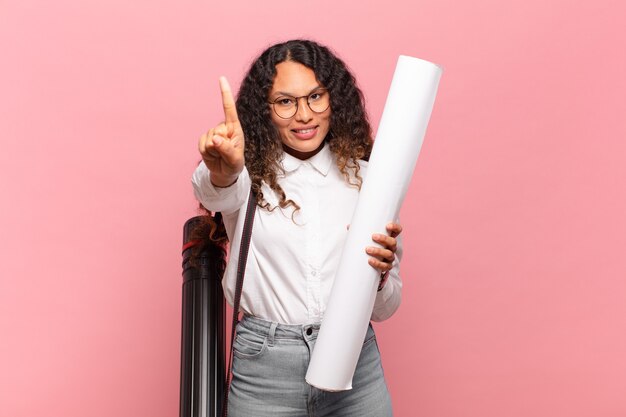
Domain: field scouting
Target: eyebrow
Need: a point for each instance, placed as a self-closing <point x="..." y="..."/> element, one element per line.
<point x="283" y="93"/>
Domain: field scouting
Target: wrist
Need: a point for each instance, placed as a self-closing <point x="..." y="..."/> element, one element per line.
<point x="220" y="181"/>
<point x="383" y="280"/>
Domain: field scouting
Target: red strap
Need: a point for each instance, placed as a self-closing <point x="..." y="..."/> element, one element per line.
<point x="190" y="244"/>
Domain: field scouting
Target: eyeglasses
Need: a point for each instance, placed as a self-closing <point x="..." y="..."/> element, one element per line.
<point x="286" y="107"/>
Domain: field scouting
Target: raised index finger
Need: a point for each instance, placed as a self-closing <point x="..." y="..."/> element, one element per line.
<point x="230" y="111"/>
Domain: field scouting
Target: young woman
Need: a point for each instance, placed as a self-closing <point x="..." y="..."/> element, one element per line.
<point x="299" y="136"/>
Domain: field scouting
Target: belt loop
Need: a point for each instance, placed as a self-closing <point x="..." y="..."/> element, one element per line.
<point x="272" y="333"/>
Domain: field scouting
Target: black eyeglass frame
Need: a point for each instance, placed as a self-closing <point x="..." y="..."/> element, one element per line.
<point x="297" y="100"/>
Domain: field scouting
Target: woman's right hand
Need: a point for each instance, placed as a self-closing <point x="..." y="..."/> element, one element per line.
<point x="222" y="147"/>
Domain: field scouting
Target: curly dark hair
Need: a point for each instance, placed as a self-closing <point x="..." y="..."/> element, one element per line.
<point x="350" y="133"/>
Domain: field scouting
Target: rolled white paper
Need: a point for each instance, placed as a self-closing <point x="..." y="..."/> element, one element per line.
<point x="396" y="148"/>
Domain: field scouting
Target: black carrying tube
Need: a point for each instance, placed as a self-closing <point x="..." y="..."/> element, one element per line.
<point x="202" y="371"/>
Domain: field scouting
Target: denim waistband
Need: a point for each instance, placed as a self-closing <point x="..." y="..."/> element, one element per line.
<point x="278" y="330"/>
<point x="274" y="330"/>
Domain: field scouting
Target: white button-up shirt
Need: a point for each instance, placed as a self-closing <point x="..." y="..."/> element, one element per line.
<point x="293" y="256"/>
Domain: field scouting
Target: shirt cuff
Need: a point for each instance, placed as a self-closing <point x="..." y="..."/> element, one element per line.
<point x="224" y="199"/>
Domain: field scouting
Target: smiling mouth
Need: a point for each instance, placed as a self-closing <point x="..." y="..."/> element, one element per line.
<point x="304" y="131"/>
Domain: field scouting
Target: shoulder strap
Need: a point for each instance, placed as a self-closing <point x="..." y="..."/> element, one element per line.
<point x="241" y="269"/>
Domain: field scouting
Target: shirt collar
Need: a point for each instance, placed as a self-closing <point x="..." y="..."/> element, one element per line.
<point x="321" y="161"/>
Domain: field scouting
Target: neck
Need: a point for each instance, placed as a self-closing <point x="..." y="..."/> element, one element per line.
<point x="302" y="155"/>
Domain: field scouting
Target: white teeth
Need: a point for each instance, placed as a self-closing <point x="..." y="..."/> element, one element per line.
<point x="305" y="130"/>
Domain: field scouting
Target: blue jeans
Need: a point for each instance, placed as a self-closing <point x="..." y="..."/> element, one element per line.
<point x="270" y="361"/>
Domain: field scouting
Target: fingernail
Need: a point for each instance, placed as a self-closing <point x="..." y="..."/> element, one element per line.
<point x="217" y="140"/>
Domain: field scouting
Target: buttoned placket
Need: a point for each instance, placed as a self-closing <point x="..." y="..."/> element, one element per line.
<point x="310" y="176"/>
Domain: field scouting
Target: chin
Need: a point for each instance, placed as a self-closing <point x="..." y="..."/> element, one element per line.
<point x="302" y="150"/>
<point x="308" y="147"/>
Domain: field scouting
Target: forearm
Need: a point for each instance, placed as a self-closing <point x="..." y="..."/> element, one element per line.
<point x="214" y="196"/>
<point x="389" y="297"/>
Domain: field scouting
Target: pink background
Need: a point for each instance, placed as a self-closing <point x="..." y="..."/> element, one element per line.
<point x="515" y="225"/>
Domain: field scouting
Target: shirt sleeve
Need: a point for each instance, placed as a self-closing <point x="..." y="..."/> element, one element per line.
<point x="388" y="299"/>
<point x="227" y="199"/>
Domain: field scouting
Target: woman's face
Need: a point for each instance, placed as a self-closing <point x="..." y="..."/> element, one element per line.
<point x="303" y="134"/>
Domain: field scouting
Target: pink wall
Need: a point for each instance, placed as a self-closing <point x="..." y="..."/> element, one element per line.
<point x="514" y="226"/>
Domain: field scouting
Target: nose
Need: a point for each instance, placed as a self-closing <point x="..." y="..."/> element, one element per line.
<point x="303" y="113"/>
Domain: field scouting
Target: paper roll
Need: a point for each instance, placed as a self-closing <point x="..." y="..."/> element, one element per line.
<point x="396" y="148"/>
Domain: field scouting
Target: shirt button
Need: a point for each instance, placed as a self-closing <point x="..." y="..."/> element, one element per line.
<point x="314" y="273"/>
<point x="309" y="331"/>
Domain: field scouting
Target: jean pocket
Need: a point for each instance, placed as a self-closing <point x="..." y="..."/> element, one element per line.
<point x="249" y="345"/>
<point x="370" y="337"/>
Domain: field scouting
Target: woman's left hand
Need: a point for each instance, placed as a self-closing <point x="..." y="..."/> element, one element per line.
<point x="382" y="258"/>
